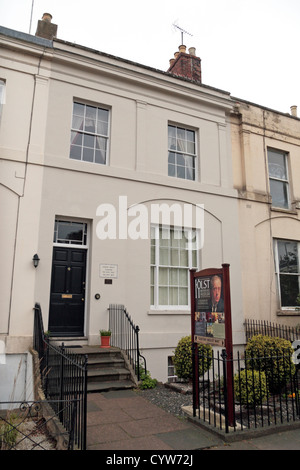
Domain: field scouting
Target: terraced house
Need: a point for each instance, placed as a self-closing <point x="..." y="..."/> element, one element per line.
<point x="266" y="159"/>
<point x="121" y="178"/>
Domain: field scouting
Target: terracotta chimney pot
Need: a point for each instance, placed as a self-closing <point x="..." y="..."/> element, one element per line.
<point x="47" y="17"/>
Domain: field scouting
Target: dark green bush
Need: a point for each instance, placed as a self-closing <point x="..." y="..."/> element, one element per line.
<point x="183" y="358"/>
<point x="272" y="356"/>
<point x="250" y="387"/>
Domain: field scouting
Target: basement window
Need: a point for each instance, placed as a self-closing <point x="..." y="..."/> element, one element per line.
<point x="172" y="377"/>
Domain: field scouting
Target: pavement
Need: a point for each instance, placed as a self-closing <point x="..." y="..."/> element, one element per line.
<point x="125" y="421"/>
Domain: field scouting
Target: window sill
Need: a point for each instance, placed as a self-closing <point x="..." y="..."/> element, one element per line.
<point x="285" y="313"/>
<point x="284" y="211"/>
<point x="168" y="312"/>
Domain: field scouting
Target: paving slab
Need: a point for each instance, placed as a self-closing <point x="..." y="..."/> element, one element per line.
<point x="124" y="420"/>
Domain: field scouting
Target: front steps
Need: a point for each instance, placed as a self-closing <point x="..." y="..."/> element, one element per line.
<point x="108" y="369"/>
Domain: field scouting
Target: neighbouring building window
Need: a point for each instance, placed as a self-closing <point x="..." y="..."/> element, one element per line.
<point x="70" y="233"/>
<point x="287" y="272"/>
<point x="2" y="95"/>
<point x="89" y="133"/>
<point x="181" y="153"/>
<point x="278" y="178"/>
<point x="173" y="254"/>
<point x="2" y="91"/>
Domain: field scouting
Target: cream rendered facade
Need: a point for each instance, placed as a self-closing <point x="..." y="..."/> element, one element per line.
<point x="263" y="222"/>
<point x="40" y="183"/>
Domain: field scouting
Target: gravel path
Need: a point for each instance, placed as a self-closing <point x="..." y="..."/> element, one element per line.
<point x="172" y="399"/>
<point x="169" y="399"/>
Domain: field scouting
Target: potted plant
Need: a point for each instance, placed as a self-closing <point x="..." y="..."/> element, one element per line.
<point x="105" y="338"/>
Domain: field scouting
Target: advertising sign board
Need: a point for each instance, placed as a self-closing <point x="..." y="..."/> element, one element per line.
<point x="211" y="321"/>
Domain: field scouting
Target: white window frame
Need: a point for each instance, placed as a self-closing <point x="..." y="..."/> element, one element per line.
<point x="156" y="265"/>
<point x="278" y="178"/>
<point x="2" y="91"/>
<point x="181" y="153"/>
<point x="85" y="134"/>
<point x="2" y="95"/>
<point x="172" y="377"/>
<point x="278" y="272"/>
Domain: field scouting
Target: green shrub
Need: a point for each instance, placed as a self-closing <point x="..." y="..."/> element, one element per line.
<point x="183" y="358"/>
<point x="272" y="356"/>
<point x="250" y="387"/>
<point x="146" y="381"/>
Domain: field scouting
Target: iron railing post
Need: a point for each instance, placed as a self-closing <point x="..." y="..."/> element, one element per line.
<point x="73" y="424"/>
<point x="137" y="361"/>
<point x="61" y="375"/>
<point x="224" y="357"/>
<point x="195" y="366"/>
<point x="84" y="419"/>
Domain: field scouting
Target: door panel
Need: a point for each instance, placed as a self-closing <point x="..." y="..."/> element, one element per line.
<point x="77" y="280"/>
<point x="59" y="279"/>
<point x="67" y="297"/>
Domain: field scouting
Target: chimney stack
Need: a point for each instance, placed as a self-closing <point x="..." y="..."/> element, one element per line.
<point x="186" y="65"/>
<point x="46" y="29"/>
<point x="294" y="111"/>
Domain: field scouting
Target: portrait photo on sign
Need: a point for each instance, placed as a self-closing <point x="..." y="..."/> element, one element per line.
<point x="209" y="310"/>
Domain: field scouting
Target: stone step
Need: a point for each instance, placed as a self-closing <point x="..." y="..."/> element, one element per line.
<point x="108" y="373"/>
<point x="102" y="362"/>
<point x="106" y="368"/>
<point x="109" y="385"/>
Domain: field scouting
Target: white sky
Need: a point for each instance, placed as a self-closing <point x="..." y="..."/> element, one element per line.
<point x="249" y="48"/>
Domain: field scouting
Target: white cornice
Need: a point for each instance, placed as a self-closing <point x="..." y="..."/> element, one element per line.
<point x="104" y="64"/>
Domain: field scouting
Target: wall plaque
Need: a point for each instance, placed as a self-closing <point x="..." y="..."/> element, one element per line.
<point x="109" y="271"/>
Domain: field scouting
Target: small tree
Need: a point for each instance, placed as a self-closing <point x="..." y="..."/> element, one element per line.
<point x="183" y="358"/>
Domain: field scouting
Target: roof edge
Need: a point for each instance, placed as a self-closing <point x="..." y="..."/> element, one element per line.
<point x="26" y="37"/>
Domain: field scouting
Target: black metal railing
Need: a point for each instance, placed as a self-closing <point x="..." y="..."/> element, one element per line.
<point x="33" y="425"/>
<point x="265" y="392"/>
<point x="263" y="327"/>
<point x="63" y="380"/>
<point x="125" y="335"/>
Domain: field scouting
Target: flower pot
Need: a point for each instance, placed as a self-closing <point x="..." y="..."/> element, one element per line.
<point x="105" y="342"/>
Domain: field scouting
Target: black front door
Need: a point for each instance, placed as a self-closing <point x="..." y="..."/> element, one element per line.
<point x="67" y="298"/>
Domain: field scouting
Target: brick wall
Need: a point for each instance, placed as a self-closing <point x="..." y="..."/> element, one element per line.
<point x="186" y="65"/>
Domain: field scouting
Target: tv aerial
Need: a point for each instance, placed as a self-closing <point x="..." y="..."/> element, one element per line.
<point x="182" y="31"/>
